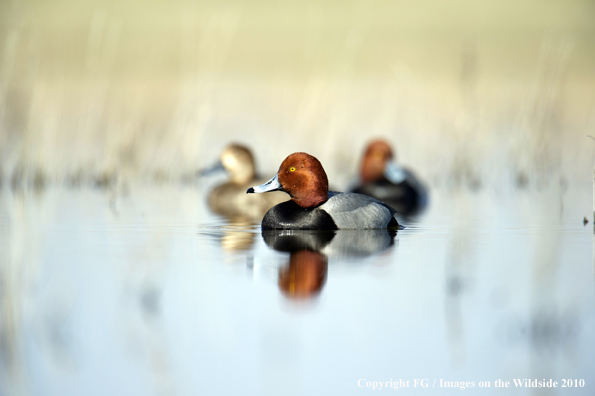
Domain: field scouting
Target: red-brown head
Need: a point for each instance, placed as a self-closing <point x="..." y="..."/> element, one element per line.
<point x="302" y="177"/>
<point x="375" y="159"/>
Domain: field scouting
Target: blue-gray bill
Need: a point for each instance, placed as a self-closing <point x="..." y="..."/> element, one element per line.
<point x="394" y="173"/>
<point x="217" y="167"/>
<point x="272" y="185"/>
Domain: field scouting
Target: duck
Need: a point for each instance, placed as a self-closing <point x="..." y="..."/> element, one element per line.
<point x="229" y="198"/>
<point x="313" y="207"/>
<point x="382" y="178"/>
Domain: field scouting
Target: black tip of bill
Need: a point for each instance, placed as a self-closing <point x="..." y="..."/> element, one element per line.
<point x="250" y="190"/>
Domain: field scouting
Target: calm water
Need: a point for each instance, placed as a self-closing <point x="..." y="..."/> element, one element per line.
<point x="148" y="293"/>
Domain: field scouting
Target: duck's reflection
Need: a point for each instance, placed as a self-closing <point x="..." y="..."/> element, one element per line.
<point x="309" y="252"/>
<point x="237" y="235"/>
<point x="305" y="275"/>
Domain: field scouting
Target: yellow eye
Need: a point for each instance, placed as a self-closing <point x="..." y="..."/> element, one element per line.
<point x="292" y="169"/>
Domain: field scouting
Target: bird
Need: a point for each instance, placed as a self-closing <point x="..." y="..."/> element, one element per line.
<point x="382" y="178"/>
<point x="312" y="206"/>
<point x="229" y="199"/>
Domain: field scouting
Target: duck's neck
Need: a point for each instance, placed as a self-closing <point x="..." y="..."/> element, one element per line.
<point x="310" y="201"/>
<point x="372" y="169"/>
<point x="242" y="175"/>
<point x="314" y="194"/>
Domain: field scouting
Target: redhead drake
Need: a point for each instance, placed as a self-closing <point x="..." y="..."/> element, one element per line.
<point x="229" y="199"/>
<point x="382" y="178"/>
<point x="313" y="206"/>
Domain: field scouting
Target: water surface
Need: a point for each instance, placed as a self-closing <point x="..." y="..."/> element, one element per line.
<point x="148" y="293"/>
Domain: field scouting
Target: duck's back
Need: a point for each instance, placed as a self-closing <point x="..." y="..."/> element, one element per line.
<point x="357" y="211"/>
<point x="230" y="199"/>
<point x="340" y="211"/>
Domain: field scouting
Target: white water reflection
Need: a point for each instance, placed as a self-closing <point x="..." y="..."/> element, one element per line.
<point x="149" y="293"/>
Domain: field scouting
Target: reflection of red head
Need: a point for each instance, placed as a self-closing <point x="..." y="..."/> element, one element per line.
<point x="376" y="156"/>
<point x="305" y="276"/>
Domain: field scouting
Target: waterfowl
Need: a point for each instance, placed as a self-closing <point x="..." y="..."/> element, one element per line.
<point x="229" y="199"/>
<point x="313" y="206"/>
<point x="382" y="178"/>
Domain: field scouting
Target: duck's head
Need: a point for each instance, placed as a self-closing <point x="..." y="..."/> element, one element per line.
<point x="302" y="177"/>
<point x="378" y="162"/>
<point x="237" y="160"/>
<point x="239" y="163"/>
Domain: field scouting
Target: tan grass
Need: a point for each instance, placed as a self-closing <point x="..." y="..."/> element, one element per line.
<point x="470" y="94"/>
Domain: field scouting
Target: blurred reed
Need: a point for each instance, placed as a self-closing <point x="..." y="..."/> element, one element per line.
<point x="470" y="93"/>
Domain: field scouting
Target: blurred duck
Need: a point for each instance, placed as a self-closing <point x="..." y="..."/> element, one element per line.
<point x="313" y="206"/>
<point x="229" y="199"/>
<point x="382" y="178"/>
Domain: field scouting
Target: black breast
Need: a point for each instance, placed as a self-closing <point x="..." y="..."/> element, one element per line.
<point x="289" y="215"/>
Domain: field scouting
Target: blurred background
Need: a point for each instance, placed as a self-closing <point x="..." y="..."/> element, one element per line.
<point x="469" y="92"/>
<point x="116" y="278"/>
